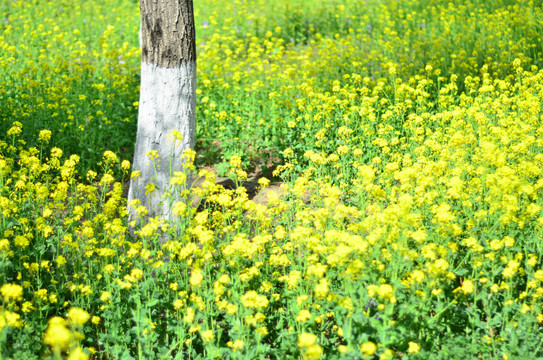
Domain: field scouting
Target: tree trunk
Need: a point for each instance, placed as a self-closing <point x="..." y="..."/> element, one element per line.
<point x="167" y="100"/>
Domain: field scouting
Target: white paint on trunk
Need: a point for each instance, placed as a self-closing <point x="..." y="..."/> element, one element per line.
<point x="167" y="102"/>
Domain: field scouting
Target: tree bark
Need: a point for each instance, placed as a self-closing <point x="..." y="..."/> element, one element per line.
<point x="167" y="100"/>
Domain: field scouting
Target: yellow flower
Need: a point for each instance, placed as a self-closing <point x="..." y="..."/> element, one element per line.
<point x="207" y="336"/>
<point x="306" y="340"/>
<point x="175" y="136"/>
<point x="385" y="291"/>
<point x="56" y="153"/>
<point x="196" y="277"/>
<point x="149" y="188"/>
<point x="368" y="348"/>
<point x="538" y="275"/>
<point x="236" y="345"/>
<point x="179" y="208"/>
<point x="61" y="260"/>
<point x="110" y="157"/>
<point x="153" y="155"/>
<point x="303" y="315"/>
<point x="231" y="309"/>
<point x="179" y="178"/>
<point x="12" y="292"/>
<point x="251" y="299"/>
<point x="78" y="316"/>
<point x="27" y="307"/>
<point x="467" y="287"/>
<point x="45" y="136"/>
<point x="235" y="161"/>
<point x="386" y="355"/>
<point x="125" y="165"/>
<point x="21" y="241"/>
<point x="11" y="319"/>
<point x="189" y="315"/>
<point x="262" y="331"/>
<point x="57" y="334"/>
<point x="312" y="352"/>
<point x="16" y="129"/>
<point x="263" y="182"/>
<point x="413" y="347"/>
<point x="78" y="354"/>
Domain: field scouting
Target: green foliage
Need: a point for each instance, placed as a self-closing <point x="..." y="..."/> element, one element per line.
<point x="408" y="222"/>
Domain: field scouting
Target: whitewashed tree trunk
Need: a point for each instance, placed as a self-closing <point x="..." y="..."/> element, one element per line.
<point x="167" y="100"/>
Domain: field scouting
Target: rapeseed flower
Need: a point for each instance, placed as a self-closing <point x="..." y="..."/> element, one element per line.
<point x="251" y="299"/>
<point x="58" y="335"/>
<point x="78" y="316"/>
<point x="414" y="348"/>
<point x="368" y="348"/>
<point x="11" y="292"/>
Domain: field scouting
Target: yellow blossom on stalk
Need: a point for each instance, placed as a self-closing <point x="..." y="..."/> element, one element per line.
<point x="11" y="319"/>
<point x="149" y="188"/>
<point x="303" y="315"/>
<point x="45" y="135"/>
<point x="175" y="136"/>
<point x="56" y="153"/>
<point x="538" y="275"/>
<point x="125" y="165"/>
<point x="57" y="334"/>
<point x="207" y="336"/>
<point x="135" y="174"/>
<point x="231" y="309"/>
<point x="178" y="304"/>
<point x="41" y="294"/>
<point x="11" y="292"/>
<point x="467" y="287"/>
<point x="189" y="315"/>
<point x="312" y="352"/>
<point x="386" y="291"/>
<point x="255" y="319"/>
<point x="196" y="277"/>
<point x="27" y="307"/>
<point x="4" y="245"/>
<point x="235" y="161"/>
<point x="179" y="178"/>
<point x="110" y="158"/>
<point x="104" y="297"/>
<point x="21" y="241"/>
<point x="16" y="129"/>
<point x="77" y="354"/>
<point x="306" y="340"/>
<point x="414" y="348"/>
<point x="263" y="182"/>
<point x="317" y="270"/>
<point x="61" y="260"/>
<point x="438" y="267"/>
<point x="135" y="275"/>
<point x="236" y="345"/>
<point x="78" y="316"/>
<point x="262" y="331"/>
<point x="368" y="348"/>
<point x="152" y="155"/>
<point x="251" y="299"/>
<point x="321" y="289"/>
<point x="386" y="355"/>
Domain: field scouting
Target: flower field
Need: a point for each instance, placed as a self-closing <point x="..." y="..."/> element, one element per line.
<point x="403" y="141"/>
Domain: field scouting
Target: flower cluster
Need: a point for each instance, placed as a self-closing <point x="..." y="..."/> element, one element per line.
<point x="408" y="220"/>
